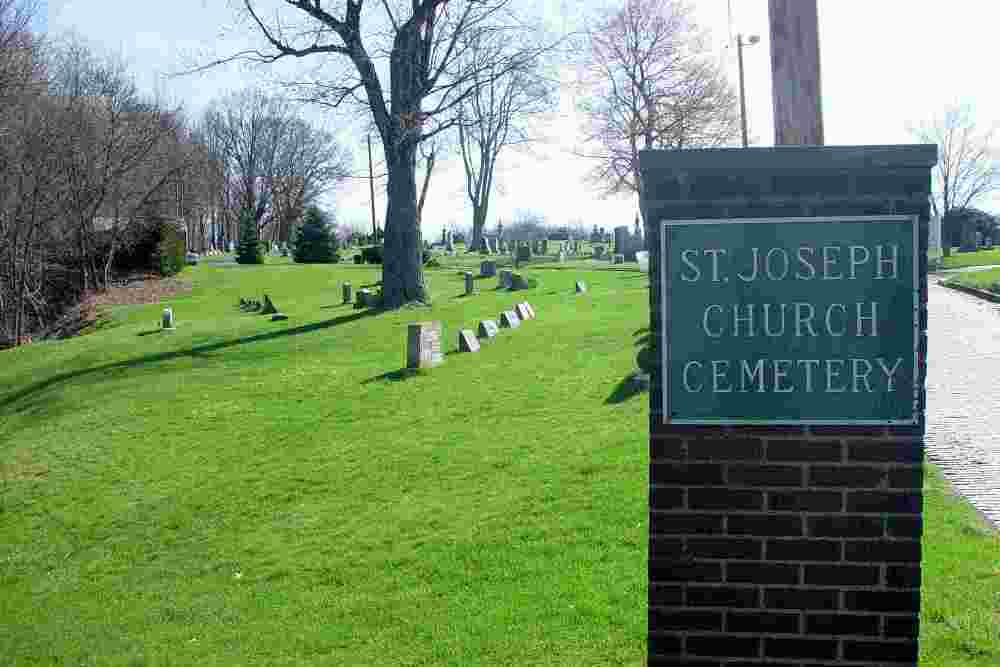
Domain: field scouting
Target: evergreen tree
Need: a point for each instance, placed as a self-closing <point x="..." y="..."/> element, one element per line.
<point x="315" y="241"/>
<point x="249" y="250"/>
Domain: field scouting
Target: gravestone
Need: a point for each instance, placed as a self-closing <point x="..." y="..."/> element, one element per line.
<point x="618" y="258"/>
<point x="487" y="269"/>
<point x="523" y="252"/>
<point x="509" y="320"/>
<point x="423" y="345"/>
<point x="621" y="240"/>
<point x="467" y="341"/>
<point x="470" y="286"/>
<point x="581" y="287"/>
<point x="268" y="308"/>
<point x="506" y="278"/>
<point x="598" y="252"/>
<point x="449" y="245"/>
<point x="348" y="295"/>
<point x="786" y="429"/>
<point x="167" y="321"/>
<point x="522" y="312"/>
<point x="362" y="298"/>
<point x="517" y="281"/>
<point x="232" y="247"/>
<point x="487" y="329"/>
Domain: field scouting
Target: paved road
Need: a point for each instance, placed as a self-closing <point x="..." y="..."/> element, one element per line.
<point x="963" y="394"/>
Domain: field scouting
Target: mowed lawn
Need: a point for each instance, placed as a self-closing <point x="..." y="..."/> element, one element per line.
<point x="247" y="492"/>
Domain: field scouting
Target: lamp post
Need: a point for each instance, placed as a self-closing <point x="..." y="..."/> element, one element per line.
<point x="751" y="40"/>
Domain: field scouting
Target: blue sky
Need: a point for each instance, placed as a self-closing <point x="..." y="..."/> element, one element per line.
<point x="885" y="65"/>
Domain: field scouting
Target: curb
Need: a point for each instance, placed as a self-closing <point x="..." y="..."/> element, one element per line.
<point x="974" y="291"/>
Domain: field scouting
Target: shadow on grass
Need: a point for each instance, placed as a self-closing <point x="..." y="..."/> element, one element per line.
<point x="337" y="305"/>
<point x="148" y="333"/>
<point x="634" y="384"/>
<point x="394" y="376"/>
<point x="195" y="351"/>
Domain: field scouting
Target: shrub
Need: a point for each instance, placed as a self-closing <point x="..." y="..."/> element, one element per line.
<point x="250" y="250"/>
<point x="170" y="251"/>
<point x="314" y="240"/>
<point x="372" y="254"/>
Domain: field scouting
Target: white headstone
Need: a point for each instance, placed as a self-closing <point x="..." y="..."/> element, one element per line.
<point x="168" y="319"/>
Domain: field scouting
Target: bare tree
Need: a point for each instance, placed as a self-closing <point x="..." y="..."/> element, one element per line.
<point x="494" y="116"/>
<point x="653" y="85"/>
<point x="966" y="171"/>
<point x="420" y="43"/>
<point x="109" y="134"/>
<point x="308" y="162"/>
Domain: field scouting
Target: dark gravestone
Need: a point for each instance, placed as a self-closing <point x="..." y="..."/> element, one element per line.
<point x="509" y="320"/>
<point x="517" y="281"/>
<point x="487" y="269"/>
<point x="348" y="295"/>
<point x="487" y="329"/>
<point x="505" y="281"/>
<point x="523" y="252"/>
<point x="470" y="285"/>
<point x="621" y="240"/>
<point x="467" y="341"/>
<point x="776" y="536"/>
<point x="423" y="345"/>
<point x="268" y="308"/>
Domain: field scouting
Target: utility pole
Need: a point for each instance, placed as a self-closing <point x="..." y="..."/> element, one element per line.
<point x="798" y="102"/>
<point x="371" y="189"/>
<point x="751" y="40"/>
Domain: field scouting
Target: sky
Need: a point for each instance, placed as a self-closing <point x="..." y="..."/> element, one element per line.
<point x="885" y="66"/>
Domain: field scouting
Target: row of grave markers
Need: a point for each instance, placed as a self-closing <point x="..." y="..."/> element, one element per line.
<point x="423" y="341"/>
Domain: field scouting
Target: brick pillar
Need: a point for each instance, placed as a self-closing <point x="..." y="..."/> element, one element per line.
<point x="793" y="544"/>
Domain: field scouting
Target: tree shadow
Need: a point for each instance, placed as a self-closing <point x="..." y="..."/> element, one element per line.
<point x="193" y="352"/>
<point x="149" y="333"/>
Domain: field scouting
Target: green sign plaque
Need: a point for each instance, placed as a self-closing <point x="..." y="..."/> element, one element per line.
<point x="790" y="320"/>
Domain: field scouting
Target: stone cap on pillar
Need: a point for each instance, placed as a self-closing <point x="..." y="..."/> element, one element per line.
<point x="792" y="157"/>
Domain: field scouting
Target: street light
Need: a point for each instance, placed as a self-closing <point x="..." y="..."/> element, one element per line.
<point x="751" y="40"/>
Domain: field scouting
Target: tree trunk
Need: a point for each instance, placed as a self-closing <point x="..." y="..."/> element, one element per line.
<point x="402" y="265"/>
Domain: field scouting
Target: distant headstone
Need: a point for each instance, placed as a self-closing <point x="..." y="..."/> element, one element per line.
<point x="470" y="285"/>
<point x="517" y="281"/>
<point x="487" y="328"/>
<point x="522" y="312"/>
<point x="618" y="258"/>
<point x="362" y="297"/>
<point x="523" y="253"/>
<point x="348" y="295"/>
<point x="505" y="278"/>
<point x="268" y="308"/>
<point x="598" y="252"/>
<point x="488" y="269"/>
<point x="168" y="319"/>
<point x="509" y="320"/>
<point x="423" y="345"/>
<point x="581" y="287"/>
<point x="467" y="341"/>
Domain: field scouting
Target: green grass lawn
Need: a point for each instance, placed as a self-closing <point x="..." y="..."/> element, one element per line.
<point x="988" y="280"/>
<point x="959" y="260"/>
<point x="247" y="492"/>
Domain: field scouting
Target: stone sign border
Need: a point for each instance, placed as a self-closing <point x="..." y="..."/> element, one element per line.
<point x="665" y="291"/>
